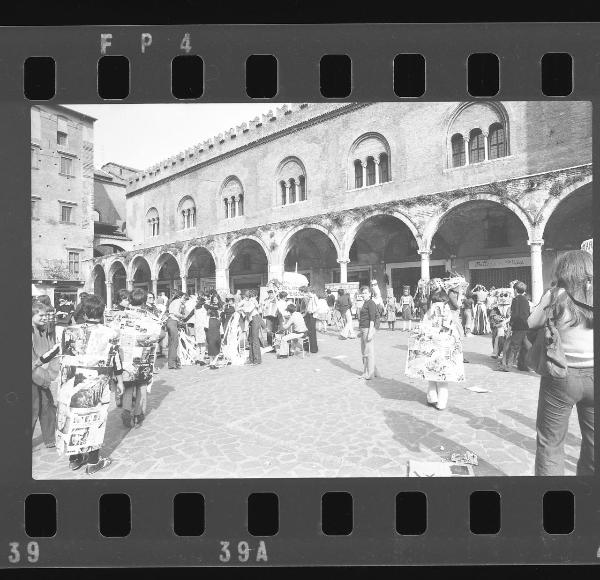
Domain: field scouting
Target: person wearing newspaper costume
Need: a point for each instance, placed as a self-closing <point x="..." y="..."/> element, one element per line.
<point x="435" y="351"/>
<point x="139" y="334"/>
<point x="90" y="359"/>
<point x="499" y="316"/>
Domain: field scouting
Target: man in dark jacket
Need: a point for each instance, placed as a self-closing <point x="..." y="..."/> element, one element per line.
<point x="344" y="305"/>
<point x="519" y="313"/>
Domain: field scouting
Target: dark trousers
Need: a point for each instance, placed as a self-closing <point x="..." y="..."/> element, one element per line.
<point x="556" y="400"/>
<point x="311" y="325"/>
<point x="271" y="323"/>
<point x="513" y="346"/>
<point x="173" y="332"/>
<point x="254" y="340"/>
<point x="44" y="410"/>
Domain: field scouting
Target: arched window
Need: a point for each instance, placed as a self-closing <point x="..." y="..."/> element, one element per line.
<point x="369" y="161"/>
<point x="187" y="213"/>
<point x="152" y="223"/>
<point x="358" y="174"/>
<point x="302" y="187"/>
<point x="458" y="151"/>
<point x="497" y="141"/>
<point x="233" y="197"/>
<point x="384" y="169"/>
<point x="476" y="146"/>
<point x="370" y="171"/>
<point x="291" y="180"/>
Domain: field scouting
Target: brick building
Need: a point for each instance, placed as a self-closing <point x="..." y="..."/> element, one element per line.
<point x="343" y="192"/>
<point x="62" y="201"/>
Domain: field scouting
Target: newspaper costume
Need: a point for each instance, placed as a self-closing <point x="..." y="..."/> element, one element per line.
<point x="90" y="358"/>
<point x="139" y="332"/>
<point x="435" y="351"/>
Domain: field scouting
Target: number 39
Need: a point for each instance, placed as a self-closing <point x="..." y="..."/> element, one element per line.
<point x="33" y="552"/>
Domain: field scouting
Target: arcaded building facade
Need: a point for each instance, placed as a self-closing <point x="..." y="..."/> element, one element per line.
<point x="349" y="192"/>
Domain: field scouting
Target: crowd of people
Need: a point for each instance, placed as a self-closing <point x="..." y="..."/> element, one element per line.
<point x="75" y="367"/>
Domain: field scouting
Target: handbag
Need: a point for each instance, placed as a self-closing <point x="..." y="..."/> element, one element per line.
<point x="546" y="356"/>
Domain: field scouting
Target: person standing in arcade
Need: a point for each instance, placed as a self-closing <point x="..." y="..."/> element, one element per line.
<point x="407" y="306"/>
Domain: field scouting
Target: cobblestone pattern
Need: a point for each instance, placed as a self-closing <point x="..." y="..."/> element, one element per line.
<point x="314" y="417"/>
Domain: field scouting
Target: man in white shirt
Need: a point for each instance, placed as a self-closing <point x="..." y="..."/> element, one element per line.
<point x="293" y="322"/>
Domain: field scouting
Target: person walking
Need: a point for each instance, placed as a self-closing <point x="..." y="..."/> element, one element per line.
<point x="176" y="315"/>
<point x="344" y="304"/>
<point x="213" y="337"/>
<point x="366" y="329"/>
<point x="499" y="318"/>
<point x="407" y="307"/>
<point x="308" y="309"/>
<point x="390" y="310"/>
<point x="435" y="351"/>
<point x="467" y="314"/>
<point x="570" y="303"/>
<point x="254" y="323"/>
<point x="322" y="313"/>
<point x="43" y="371"/>
<point x="331" y="304"/>
<point x="139" y="332"/>
<point x="269" y="312"/>
<point x="90" y="359"/>
<point x="519" y="314"/>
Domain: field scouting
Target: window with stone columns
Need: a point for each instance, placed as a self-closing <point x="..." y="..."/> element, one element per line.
<point x="232" y="194"/>
<point x="458" y="150"/>
<point x="187" y="213"/>
<point x="291" y="181"/>
<point x="477" y="133"/>
<point x="497" y="142"/>
<point x="152" y="223"/>
<point x="369" y="161"/>
<point x="476" y="146"/>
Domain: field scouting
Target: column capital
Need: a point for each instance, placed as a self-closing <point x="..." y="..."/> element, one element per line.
<point x="108" y="283"/>
<point x="377" y="160"/>
<point x="485" y="134"/>
<point x="364" y="163"/>
<point x="424" y="253"/>
<point x="343" y="261"/>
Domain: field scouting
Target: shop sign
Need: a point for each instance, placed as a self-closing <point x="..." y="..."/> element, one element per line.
<point x="515" y="262"/>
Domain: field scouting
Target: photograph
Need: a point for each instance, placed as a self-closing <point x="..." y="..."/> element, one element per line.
<point x="312" y="290"/>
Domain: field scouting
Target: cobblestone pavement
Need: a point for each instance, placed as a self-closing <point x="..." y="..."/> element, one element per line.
<point x="314" y="417"/>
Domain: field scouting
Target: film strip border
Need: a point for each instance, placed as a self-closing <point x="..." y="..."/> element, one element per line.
<point x="374" y="530"/>
<point x="293" y="522"/>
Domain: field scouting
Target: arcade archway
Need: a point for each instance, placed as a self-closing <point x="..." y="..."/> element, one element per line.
<point x="200" y="271"/>
<point x="249" y="265"/>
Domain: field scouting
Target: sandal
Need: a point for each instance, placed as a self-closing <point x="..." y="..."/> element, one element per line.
<point x="78" y="462"/>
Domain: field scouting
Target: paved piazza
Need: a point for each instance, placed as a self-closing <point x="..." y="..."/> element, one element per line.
<point x="314" y="417"/>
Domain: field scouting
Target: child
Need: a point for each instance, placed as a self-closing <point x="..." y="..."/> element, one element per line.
<point x="407" y="306"/>
<point x="390" y="310"/>
<point x="499" y="317"/>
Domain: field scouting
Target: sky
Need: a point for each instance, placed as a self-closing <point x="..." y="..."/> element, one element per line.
<point x="139" y="136"/>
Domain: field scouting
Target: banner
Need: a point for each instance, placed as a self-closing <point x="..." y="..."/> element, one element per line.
<point x="484" y="264"/>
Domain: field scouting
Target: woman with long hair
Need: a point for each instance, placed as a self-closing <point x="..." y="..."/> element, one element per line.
<point x="570" y="302"/>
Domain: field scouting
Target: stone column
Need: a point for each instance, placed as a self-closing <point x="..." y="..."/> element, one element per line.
<point x="537" y="280"/>
<point x="377" y="171"/>
<point x="130" y="285"/>
<point x="108" y="295"/>
<point x="467" y="150"/>
<point x="364" y="168"/>
<point x="222" y="279"/>
<point x="343" y="271"/>
<point x="155" y="287"/>
<point x="184" y="284"/>
<point x="425" y="264"/>
<point x="486" y="146"/>
<point x="287" y="193"/>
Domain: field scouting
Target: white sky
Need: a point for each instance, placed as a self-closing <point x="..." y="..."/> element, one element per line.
<point x="141" y="135"/>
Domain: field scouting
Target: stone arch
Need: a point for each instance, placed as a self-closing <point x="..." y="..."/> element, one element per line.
<point x="112" y="265"/>
<point x="228" y="257"/>
<point x="285" y="242"/>
<point x="350" y="235"/>
<point x="434" y="223"/>
<point x="98" y="281"/>
<point x="134" y="265"/>
<point x="185" y="258"/>
<point x="370" y="144"/>
<point x="159" y="261"/>
<point x="552" y="202"/>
